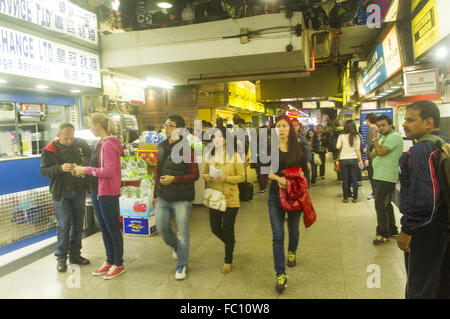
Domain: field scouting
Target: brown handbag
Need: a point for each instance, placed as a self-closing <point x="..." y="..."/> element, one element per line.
<point x="336" y="166"/>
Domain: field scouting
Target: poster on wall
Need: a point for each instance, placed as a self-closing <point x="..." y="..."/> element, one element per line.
<point x="26" y="55"/>
<point x="56" y="15"/>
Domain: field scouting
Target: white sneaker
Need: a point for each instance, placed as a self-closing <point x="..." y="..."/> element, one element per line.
<point x="180" y="274"/>
<point x="174" y="255"/>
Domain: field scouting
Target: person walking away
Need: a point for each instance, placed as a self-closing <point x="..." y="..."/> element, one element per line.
<point x="424" y="236"/>
<point x="314" y="145"/>
<point x="385" y="156"/>
<point x="105" y="174"/>
<point x="371" y="120"/>
<point x="231" y="173"/>
<point x="174" y="192"/>
<point x="323" y="140"/>
<point x="337" y="130"/>
<point x="290" y="155"/>
<point x="301" y="139"/>
<point x="350" y="161"/>
<point x="68" y="192"/>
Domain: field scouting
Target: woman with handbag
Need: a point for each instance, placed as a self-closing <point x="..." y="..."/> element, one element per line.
<point x="223" y="170"/>
<point x="289" y="155"/>
<point x="350" y="160"/>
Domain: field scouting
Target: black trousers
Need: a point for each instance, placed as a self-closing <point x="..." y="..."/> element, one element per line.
<point x="370" y="172"/>
<point x="428" y="263"/>
<point x="385" y="211"/>
<point x="322" y="167"/>
<point x="222" y="225"/>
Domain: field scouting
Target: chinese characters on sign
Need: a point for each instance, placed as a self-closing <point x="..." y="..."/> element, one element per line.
<point x="26" y="55"/>
<point x="56" y="15"/>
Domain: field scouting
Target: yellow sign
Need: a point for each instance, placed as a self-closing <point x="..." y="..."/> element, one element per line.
<point x="425" y="29"/>
<point x="414" y="4"/>
<point x="242" y="95"/>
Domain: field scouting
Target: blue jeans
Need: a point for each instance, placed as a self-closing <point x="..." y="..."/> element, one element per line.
<point x="350" y="172"/>
<point x="107" y="212"/>
<point x="277" y="214"/>
<point x="179" y="241"/>
<point x="69" y="212"/>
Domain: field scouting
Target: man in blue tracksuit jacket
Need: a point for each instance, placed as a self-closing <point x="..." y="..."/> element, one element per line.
<point x="424" y="234"/>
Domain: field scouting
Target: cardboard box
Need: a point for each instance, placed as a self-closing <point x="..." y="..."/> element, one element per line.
<point x="139" y="226"/>
<point x="135" y="207"/>
<point x="148" y="146"/>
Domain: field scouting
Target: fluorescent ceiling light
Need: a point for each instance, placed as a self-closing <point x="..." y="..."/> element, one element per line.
<point x="442" y="52"/>
<point x="41" y="87"/>
<point x="3" y="81"/>
<point x="115" y="5"/>
<point x="389" y="91"/>
<point x="164" y="4"/>
<point x="396" y="87"/>
<point x="75" y="91"/>
<point x="159" y="83"/>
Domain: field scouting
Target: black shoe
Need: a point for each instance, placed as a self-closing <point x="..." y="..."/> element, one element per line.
<point x="62" y="265"/>
<point x="79" y="260"/>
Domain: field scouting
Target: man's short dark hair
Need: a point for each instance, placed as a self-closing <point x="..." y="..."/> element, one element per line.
<point x="178" y="120"/>
<point x="426" y="110"/>
<point x="372" y="118"/>
<point x="384" y="117"/>
<point x="150" y="128"/>
<point x="65" y="126"/>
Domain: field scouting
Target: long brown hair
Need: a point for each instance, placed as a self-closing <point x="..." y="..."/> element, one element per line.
<point x="295" y="157"/>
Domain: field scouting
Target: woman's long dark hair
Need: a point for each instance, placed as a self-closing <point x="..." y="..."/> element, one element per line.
<point x="314" y="138"/>
<point x="295" y="157"/>
<point x="350" y="128"/>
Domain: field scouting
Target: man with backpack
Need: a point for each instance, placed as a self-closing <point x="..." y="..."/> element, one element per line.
<point x="424" y="203"/>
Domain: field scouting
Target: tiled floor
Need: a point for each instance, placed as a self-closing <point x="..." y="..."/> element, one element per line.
<point x="334" y="259"/>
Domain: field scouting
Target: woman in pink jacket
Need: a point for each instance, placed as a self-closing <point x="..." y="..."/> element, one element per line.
<point x="105" y="181"/>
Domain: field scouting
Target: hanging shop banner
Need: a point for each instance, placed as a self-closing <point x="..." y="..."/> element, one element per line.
<point x="414" y="4"/>
<point x="309" y="105"/>
<point x="392" y="13"/>
<point x="376" y="71"/>
<point x="26" y="55"/>
<point x="57" y="15"/>
<point x="391" y="52"/>
<point x="421" y="82"/>
<point x="121" y="89"/>
<point x="369" y="105"/>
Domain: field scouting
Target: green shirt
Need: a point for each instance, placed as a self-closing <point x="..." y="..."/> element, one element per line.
<point x="385" y="168"/>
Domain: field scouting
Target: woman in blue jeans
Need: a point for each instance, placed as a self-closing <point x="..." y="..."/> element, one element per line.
<point x="350" y="160"/>
<point x="289" y="155"/>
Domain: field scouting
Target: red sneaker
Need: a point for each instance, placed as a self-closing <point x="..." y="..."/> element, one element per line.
<point x="114" y="271"/>
<point x="102" y="270"/>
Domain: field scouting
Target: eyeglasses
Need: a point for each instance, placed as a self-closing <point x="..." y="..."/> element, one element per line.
<point x="167" y="125"/>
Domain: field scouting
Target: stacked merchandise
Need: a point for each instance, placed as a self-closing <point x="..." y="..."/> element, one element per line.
<point x="136" y="201"/>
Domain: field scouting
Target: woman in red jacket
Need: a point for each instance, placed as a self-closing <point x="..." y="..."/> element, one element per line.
<point x="289" y="155"/>
<point x="105" y="181"/>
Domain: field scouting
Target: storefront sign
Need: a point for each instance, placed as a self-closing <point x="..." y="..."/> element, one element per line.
<point x="309" y="105"/>
<point x="392" y="13"/>
<point x="425" y="28"/>
<point x="56" y="15"/>
<point x="414" y="4"/>
<point x="31" y="110"/>
<point x="376" y="71"/>
<point x="122" y="89"/>
<point x="421" y="82"/>
<point x="369" y="105"/>
<point x="327" y="104"/>
<point x="391" y="52"/>
<point x="26" y="55"/>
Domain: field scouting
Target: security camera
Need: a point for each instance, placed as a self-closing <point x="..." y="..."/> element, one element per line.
<point x="289" y="48"/>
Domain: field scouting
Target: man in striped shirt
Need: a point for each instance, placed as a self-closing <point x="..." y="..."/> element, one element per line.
<point x="387" y="150"/>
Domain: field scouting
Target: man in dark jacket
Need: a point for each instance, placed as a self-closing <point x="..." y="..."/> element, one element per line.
<point x="68" y="192"/>
<point x="424" y="233"/>
<point x="174" y="191"/>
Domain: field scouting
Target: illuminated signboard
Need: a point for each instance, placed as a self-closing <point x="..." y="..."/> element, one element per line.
<point x="309" y="105"/>
<point x="57" y="15"/>
<point x="27" y="55"/>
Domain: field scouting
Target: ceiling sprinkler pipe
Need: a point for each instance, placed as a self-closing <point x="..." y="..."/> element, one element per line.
<point x="221" y="77"/>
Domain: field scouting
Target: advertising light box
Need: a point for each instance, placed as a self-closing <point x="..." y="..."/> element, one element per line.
<point x="26" y="55"/>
